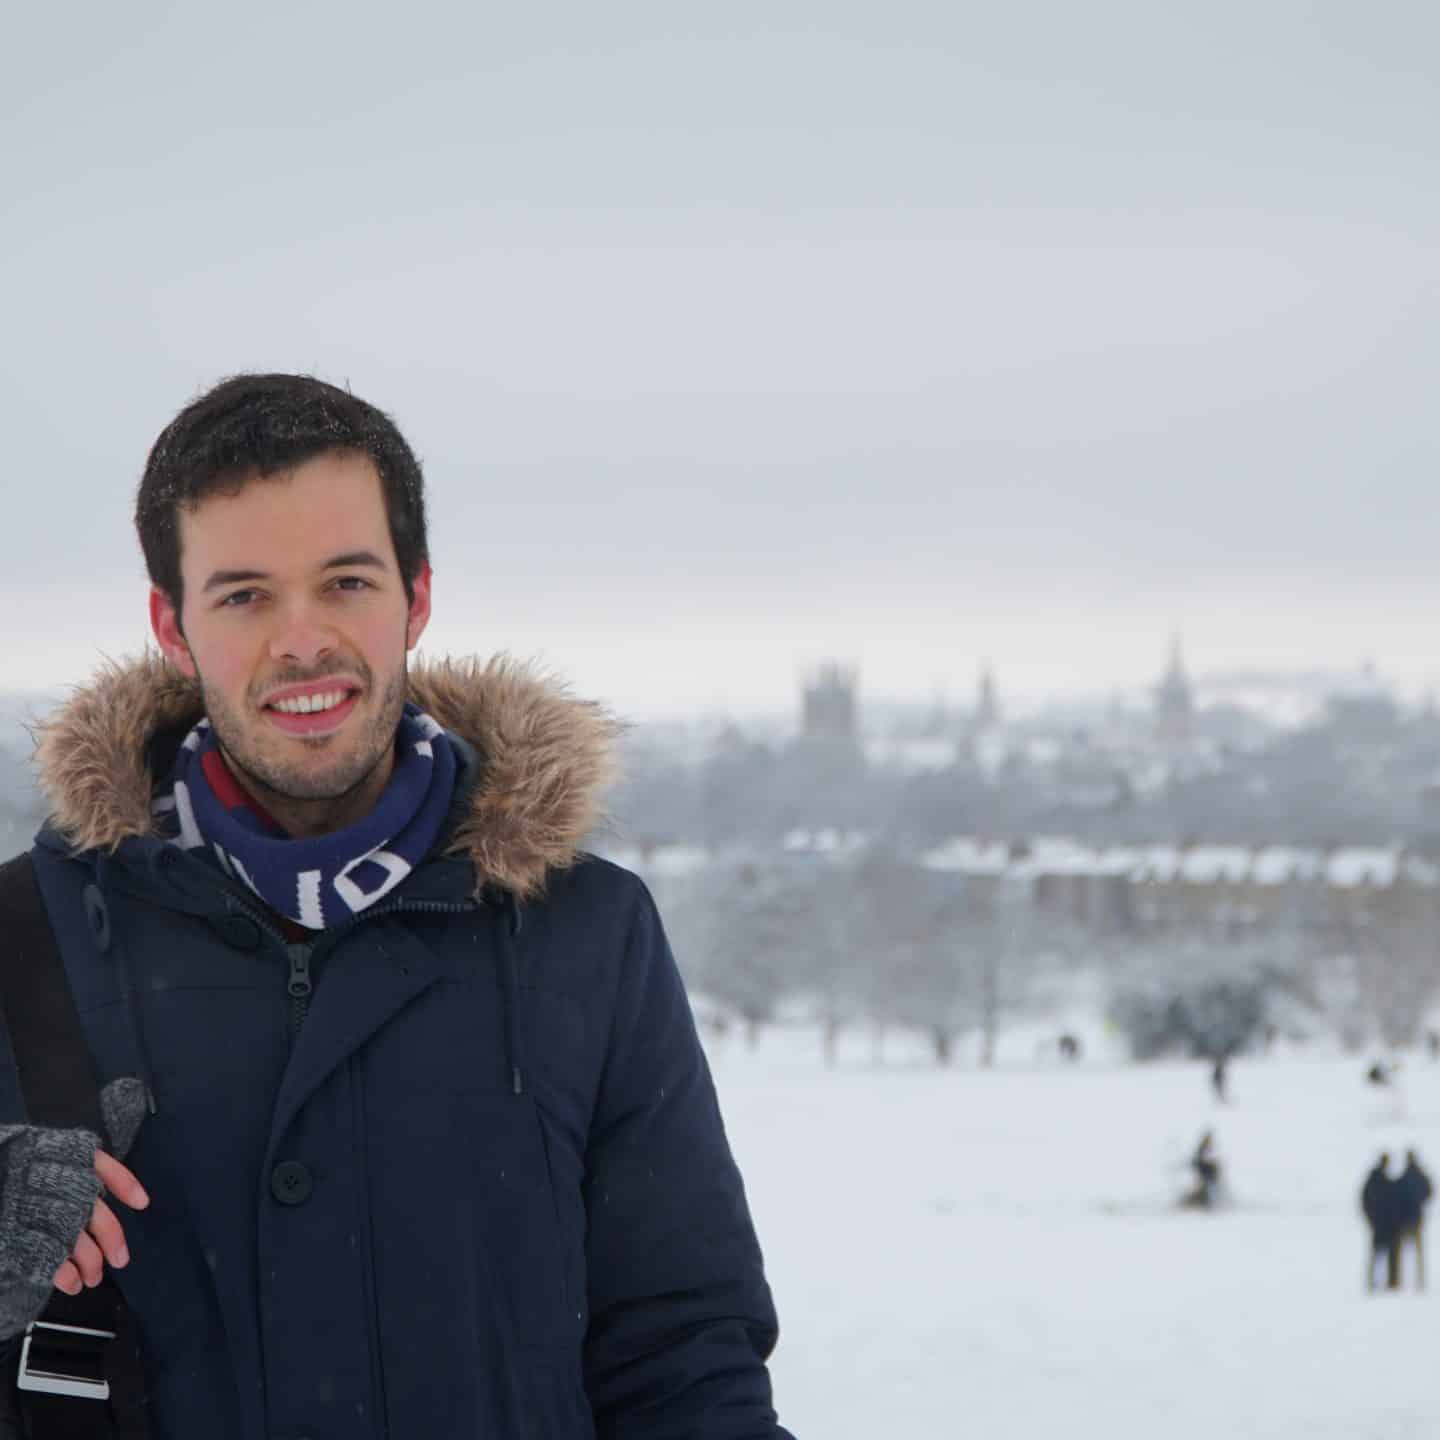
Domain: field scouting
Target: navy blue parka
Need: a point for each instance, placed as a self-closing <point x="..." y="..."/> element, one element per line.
<point x="478" y="1185"/>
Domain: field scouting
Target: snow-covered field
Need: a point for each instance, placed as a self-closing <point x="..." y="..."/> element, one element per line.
<point x="966" y="1253"/>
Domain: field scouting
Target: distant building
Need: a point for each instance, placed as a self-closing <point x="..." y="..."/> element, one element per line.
<point x="1219" y="891"/>
<point x="1363" y="709"/>
<point x="987" y="704"/>
<point x="830" y="705"/>
<point x="1175" y="702"/>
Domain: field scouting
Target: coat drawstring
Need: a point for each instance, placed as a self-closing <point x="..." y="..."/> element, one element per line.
<point x="105" y="937"/>
<point x="508" y="927"/>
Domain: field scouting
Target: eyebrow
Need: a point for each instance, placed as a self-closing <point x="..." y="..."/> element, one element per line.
<point x="350" y="560"/>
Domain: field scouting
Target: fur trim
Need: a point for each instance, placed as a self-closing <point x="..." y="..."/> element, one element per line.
<point x="546" y="757"/>
<point x="91" y="752"/>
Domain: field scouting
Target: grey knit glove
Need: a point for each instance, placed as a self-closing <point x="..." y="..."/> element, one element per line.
<point x="47" y="1194"/>
<point x="122" y="1108"/>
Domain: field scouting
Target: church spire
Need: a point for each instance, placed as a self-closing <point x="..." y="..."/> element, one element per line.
<point x="987" y="702"/>
<point x="1174" y="699"/>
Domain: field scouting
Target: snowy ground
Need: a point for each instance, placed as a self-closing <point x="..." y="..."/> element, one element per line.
<point x="966" y="1253"/>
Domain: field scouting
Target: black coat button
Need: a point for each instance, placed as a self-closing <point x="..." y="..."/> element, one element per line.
<point x="290" y="1183"/>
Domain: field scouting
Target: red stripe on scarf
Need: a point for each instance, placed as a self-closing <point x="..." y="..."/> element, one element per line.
<point x="233" y="796"/>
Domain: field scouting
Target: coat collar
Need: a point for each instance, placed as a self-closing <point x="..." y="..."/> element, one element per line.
<point x="545" y="757"/>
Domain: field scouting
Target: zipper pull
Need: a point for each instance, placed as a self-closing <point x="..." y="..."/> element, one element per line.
<point x="300" y="983"/>
<point x="300" y="987"/>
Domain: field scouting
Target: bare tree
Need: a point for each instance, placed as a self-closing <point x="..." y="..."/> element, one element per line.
<point x="1394" y="937"/>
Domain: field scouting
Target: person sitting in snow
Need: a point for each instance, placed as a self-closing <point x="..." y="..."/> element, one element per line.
<point x="1206" y="1165"/>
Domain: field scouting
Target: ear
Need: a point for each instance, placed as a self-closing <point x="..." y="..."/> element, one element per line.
<point x="165" y="622"/>
<point x="419" y="616"/>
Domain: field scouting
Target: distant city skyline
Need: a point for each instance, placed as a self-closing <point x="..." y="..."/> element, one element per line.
<point x="1300" y="685"/>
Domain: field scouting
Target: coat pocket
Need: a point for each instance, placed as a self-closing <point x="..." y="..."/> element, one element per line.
<point x="515" y="1231"/>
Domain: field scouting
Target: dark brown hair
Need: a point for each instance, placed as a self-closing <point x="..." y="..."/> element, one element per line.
<point x="255" y="426"/>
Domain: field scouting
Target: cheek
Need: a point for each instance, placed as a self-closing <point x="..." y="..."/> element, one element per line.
<point x="225" y="670"/>
<point x="379" y="644"/>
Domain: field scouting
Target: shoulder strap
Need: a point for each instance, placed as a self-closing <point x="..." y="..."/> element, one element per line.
<point x="57" y="1075"/>
<point x="60" y="1089"/>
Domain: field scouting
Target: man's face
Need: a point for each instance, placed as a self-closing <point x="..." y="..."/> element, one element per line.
<point x="296" y="624"/>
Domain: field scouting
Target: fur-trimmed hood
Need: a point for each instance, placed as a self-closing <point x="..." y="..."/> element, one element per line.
<point x="545" y="759"/>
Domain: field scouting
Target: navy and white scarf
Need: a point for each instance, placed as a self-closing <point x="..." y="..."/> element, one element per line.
<point x="321" y="881"/>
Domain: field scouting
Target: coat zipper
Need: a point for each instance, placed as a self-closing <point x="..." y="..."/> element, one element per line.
<point x="301" y="986"/>
<point x="301" y="983"/>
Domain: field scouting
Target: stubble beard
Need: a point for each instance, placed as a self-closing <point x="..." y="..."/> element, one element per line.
<point x="301" y="788"/>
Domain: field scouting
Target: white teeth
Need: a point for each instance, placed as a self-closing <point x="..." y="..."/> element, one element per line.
<point x="309" y="704"/>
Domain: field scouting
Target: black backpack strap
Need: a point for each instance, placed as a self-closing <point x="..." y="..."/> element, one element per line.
<point x="87" y="1341"/>
<point x="57" y="1075"/>
<point x="59" y="1089"/>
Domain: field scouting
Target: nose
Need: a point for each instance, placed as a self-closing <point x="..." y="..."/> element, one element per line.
<point x="301" y="637"/>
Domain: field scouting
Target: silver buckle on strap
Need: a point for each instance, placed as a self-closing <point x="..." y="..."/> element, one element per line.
<point x="46" y="1380"/>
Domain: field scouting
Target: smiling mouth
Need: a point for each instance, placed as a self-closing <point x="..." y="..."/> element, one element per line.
<point x="316" y="714"/>
<point x="311" y="704"/>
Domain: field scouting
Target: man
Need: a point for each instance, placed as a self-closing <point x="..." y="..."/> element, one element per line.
<point x="1412" y="1192"/>
<point x="427" y="1145"/>
<point x="1379" y="1205"/>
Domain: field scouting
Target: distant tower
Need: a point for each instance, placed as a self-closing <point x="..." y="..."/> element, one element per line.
<point x="987" y="703"/>
<point x="1174" y="701"/>
<point x="829" y="708"/>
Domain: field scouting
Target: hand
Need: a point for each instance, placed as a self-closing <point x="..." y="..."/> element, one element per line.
<point x="102" y="1242"/>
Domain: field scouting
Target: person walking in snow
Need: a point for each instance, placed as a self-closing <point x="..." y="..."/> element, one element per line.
<point x="1413" y="1191"/>
<point x="1381" y="1205"/>
<point x="427" y="1144"/>
<point x="1220" y="1078"/>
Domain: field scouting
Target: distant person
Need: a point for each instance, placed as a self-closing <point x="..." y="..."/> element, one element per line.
<point x="1380" y="1204"/>
<point x="1069" y="1047"/>
<point x="1413" y="1191"/>
<point x="1379" y="1073"/>
<point x="1206" y="1164"/>
<point x="1432" y="1044"/>
<point x="1220" y="1078"/>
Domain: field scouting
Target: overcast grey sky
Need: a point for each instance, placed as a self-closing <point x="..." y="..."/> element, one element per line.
<point x="733" y="337"/>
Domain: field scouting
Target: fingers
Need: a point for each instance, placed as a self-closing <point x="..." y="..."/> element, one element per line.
<point x="87" y="1259"/>
<point x="118" y="1180"/>
<point x="67" y="1278"/>
<point x="102" y="1242"/>
<point x="106" y="1232"/>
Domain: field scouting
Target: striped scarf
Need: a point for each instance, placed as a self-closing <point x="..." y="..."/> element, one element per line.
<point x="322" y="880"/>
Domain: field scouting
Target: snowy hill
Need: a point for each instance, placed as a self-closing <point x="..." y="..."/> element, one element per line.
<point x="960" y="1253"/>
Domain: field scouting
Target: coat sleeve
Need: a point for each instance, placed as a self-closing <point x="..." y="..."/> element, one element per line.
<point x="681" y="1319"/>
